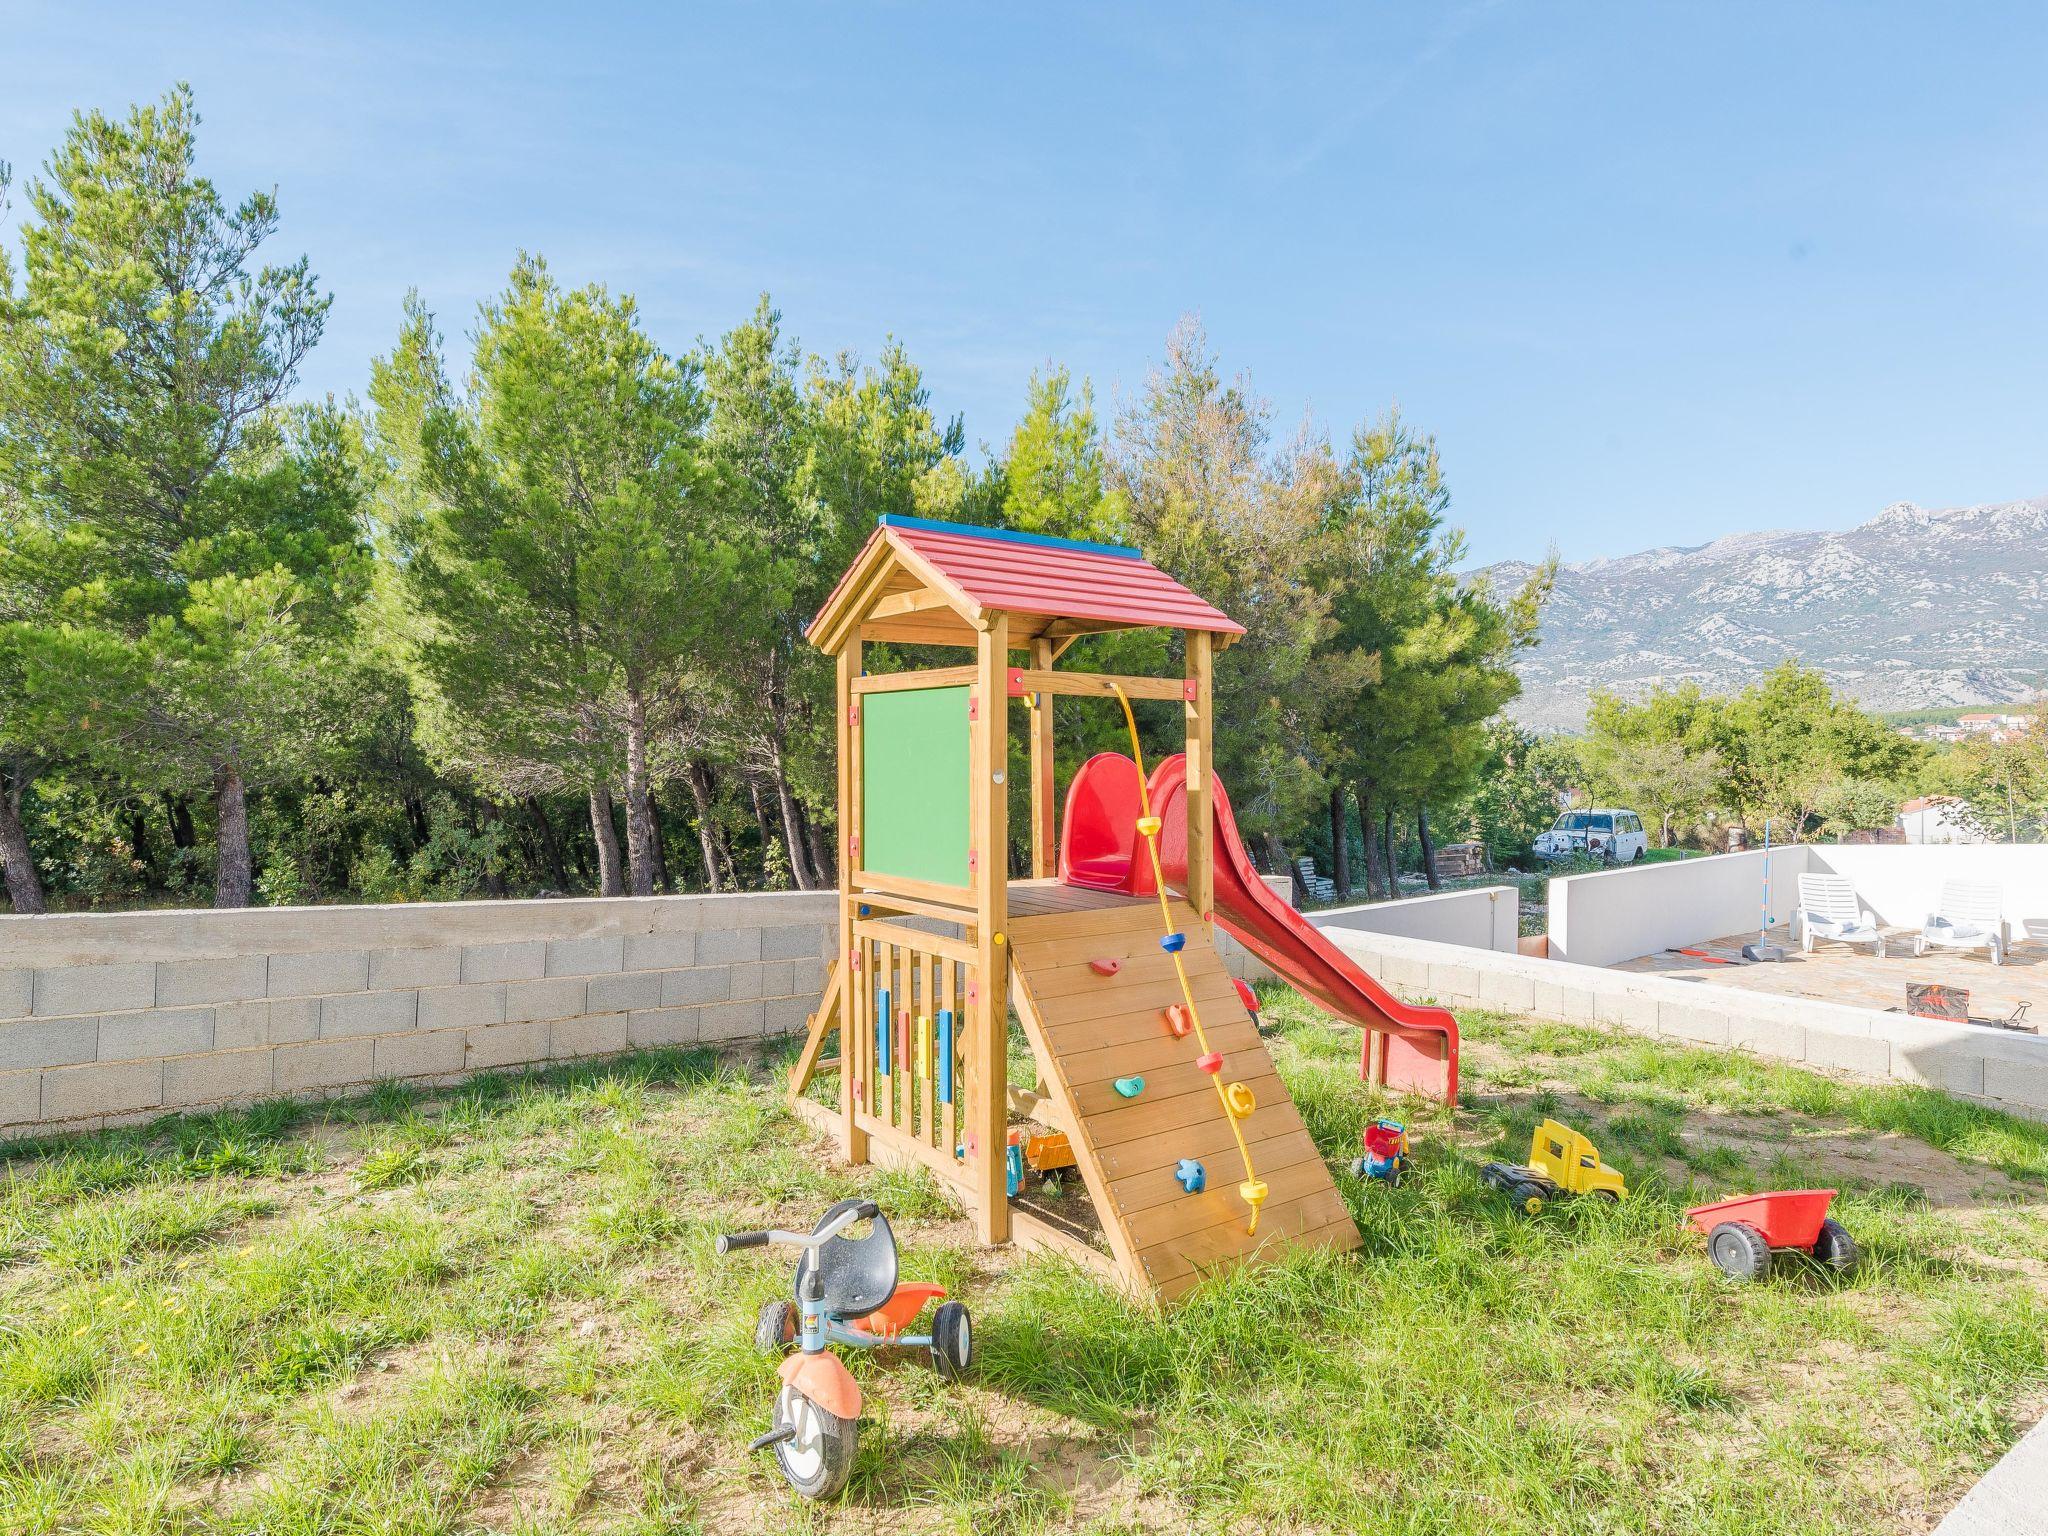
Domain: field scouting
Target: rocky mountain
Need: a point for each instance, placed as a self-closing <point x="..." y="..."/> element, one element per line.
<point x="1913" y="610"/>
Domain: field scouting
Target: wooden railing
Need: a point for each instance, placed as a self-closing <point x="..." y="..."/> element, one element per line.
<point x="905" y="1050"/>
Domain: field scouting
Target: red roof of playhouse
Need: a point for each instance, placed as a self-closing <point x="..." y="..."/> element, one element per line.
<point x="985" y="570"/>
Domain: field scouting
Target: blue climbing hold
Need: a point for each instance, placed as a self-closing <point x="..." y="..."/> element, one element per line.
<point x="1174" y="943"/>
<point x="1191" y="1176"/>
<point x="1130" y="1087"/>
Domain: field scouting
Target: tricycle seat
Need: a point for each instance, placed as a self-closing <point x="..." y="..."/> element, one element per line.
<point x="859" y="1273"/>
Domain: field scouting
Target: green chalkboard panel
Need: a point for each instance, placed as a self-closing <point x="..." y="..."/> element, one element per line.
<point x="914" y="784"/>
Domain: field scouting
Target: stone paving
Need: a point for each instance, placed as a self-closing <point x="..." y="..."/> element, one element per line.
<point x="1837" y="973"/>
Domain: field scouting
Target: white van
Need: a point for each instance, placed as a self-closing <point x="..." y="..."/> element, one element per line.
<point x="1614" y="835"/>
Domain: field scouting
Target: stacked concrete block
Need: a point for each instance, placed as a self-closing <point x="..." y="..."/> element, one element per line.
<point x="107" y="1019"/>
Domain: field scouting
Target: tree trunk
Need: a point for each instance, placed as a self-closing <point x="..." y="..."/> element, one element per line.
<point x="792" y="833"/>
<point x="639" y="824"/>
<point x="24" y="885"/>
<point x="1428" y="847"/>
<point x="609" y="880"/>
<point x="1369" y="836"/>
<point x="1340" y="845"/>
<point x="699" y="779"/>
<point x="416" y="818"/>
<point x="823" y="859"/>
<point x="656" y="847"/>
<point x="138" y="834"/>
<point x="1393" y="863"/>
<point x="234" y="880"/>
<point x="179" y="815"/>
<point x="550" y="844"/>
<point x="761" y="830"/>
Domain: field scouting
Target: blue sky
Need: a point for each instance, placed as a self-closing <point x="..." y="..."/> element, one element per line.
<point x="1651" y="273"/>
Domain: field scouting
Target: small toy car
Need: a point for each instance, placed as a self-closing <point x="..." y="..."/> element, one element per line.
<point x="1743" y="1232"/>
<point x="1561" y="1162"/>
<point x="1386" y="1152"/>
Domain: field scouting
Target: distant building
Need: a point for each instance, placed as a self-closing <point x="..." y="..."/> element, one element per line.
<point x="1995" y="727"/>
<point x="1939" y="819"/>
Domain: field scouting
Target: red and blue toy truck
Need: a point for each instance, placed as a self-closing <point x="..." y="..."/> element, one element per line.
<point x="1386" y="1152"/>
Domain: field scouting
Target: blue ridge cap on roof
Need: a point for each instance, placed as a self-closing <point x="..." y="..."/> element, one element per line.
<point x="1006" y="535"/>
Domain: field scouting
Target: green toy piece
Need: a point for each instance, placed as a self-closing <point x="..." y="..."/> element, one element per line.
<point x="1130" y="1087"/>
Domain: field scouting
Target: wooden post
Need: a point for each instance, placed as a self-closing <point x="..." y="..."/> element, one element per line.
<point x="989" y="1018"/>
<point x="853" y="1141"/>
<point x="1044" y="844"/>
<point x="1200" y="707"/>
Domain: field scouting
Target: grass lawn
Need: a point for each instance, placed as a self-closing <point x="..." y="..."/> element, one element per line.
<point x="497" y="1308"/>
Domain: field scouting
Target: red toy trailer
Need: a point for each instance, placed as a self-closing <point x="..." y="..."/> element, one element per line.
<point x="1742" y="1232"/>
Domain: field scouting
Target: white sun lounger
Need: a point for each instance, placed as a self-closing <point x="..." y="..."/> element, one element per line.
<point x="1970" y="916"/>
<point x="1828" y="909"/>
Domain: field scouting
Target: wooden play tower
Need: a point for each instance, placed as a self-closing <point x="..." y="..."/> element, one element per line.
<point x="938" y="943"/>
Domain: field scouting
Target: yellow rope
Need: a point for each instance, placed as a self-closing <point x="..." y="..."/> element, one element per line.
<point x="1253" y="1190"/>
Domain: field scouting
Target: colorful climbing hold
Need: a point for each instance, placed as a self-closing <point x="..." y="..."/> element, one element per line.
<point x="1148" y="826"/>
<point x="1239" y="1100"/>
<point x="1174" y="943"/>
<point x="1210" y="1062"/>
<point x="1106" y="966"/>
<point x="1246" y="995"/>
<point x="1130" y="1087"/>
<point x="1191" y="1175"/>
<point x="1177" y="1020"/>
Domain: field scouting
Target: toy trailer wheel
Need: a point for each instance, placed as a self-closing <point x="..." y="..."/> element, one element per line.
<point x="775" y="1330"/>
<point x="1739" y="1250"/>
<point x="1529" y="1197"/>
<point x="952" y="1341"/>
<point x="1835" y="1248"/>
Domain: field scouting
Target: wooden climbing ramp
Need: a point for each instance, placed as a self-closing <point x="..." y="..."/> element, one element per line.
<point x="1088" y="1030"/>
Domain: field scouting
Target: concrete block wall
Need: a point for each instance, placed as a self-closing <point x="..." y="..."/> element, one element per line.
<point x="121" y="1017"/>
<point x="2006" y="1070"/>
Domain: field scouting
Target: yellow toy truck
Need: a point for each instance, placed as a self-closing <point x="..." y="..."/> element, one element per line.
<point x="1561" y="1162"/>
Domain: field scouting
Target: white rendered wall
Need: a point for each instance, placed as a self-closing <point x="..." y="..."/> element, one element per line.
<point x="1486" y="918"/>
<point x="1618" y="914"/>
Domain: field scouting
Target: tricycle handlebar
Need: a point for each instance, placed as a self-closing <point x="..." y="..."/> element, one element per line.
<point x="866" y="1210"/>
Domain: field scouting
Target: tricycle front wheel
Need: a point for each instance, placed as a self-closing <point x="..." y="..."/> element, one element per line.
<point x="817" y="1455"/>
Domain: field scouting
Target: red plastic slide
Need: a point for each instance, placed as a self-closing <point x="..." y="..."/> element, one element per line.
<point x="1408" y="1047"/>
